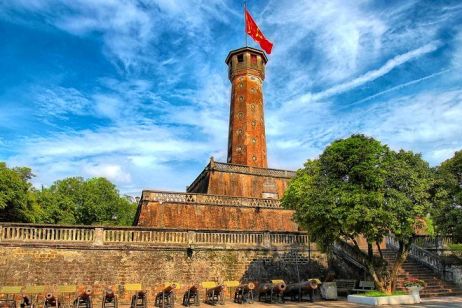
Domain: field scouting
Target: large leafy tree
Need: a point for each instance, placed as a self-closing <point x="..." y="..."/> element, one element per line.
<point x="360" y="188"/>
<point x="72" y="200"/>
<point x="94" y="201"/>
<point x="17" y="200"/>
<point x="448" y="197"/>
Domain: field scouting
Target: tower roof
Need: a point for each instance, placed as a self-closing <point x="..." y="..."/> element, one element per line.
<point x="254" y="50"/>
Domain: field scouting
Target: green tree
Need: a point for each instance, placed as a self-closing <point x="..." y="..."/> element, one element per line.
<point x="74" y="200"/>
<point x="17" y="200"/>
<point x="360" y="188"/>
<point x="448" y="197"/>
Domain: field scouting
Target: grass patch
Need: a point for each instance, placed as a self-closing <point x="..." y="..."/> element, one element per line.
<point x="379" y="294"/>
<point x="455" y="247"/>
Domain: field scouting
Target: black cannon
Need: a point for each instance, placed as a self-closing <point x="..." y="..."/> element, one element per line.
<point x="84" y="299"/>
<point x="215" y="295"/>
<point x="109" y="299"/>
<point x="139" y="300"/>
<point x="26" y="302"/>
<point x="51" y="301"/>
<point x="271" y="292"/>
<point x="296" y="291"/>
<point x="244" y="293"/>
<point x="166" y="298"/>
<point x="191" y="296"/>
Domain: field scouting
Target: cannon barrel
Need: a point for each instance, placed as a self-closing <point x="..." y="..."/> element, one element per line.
<point x="215" y="290"/>
<point x="303" y="286"/>
<point x="193" y="289"/>
<point x="247" y="286"/>
<point x="26" y="300"/>
<point x="50" y="300"/>
<point x="169" y="288"/>
<point x="265" y="287"/>
<point x="108" y="293"/>
<point x="86" y="294"/>
<point x="279" y="287"/>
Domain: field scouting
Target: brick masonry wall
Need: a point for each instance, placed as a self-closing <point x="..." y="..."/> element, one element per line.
<point x="244" y="185"/>
<point x="100" y="267"/>
<point x="211" y="217"/>
<point x="247" y="183"/>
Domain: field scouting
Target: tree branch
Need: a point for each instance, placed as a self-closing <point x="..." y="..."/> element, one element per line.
<point x="379" y="249"/>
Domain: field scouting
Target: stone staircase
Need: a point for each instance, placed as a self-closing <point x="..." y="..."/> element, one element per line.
<point x="411" y="268"/>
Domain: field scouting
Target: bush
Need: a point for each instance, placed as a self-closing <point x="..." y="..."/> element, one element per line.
<point x="414" y="282"/>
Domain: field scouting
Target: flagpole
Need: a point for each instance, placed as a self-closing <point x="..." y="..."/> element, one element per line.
<point x="245" y="28"/>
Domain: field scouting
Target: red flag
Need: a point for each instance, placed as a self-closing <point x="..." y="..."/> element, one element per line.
<point x="252" y="29"/>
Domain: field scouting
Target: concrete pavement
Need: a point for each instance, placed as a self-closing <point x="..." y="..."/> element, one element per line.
<point x="433" y="302"/>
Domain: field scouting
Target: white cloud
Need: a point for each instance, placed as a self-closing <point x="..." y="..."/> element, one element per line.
<point x="61" y="102"/>
<point x="427" y="122"/>
<point x="374" y="74"/>
<point x="457" y="54"/>
<point x="109" y="106"/>
<point x="122" y="154"/>
<point x="111" y="172"/>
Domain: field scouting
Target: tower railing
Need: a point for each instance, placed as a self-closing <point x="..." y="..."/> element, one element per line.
<point x="208" y="199"/>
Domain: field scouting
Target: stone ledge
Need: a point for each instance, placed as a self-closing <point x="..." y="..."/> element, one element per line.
<point x="157" y="247"/>
<point x="384" y="300"/>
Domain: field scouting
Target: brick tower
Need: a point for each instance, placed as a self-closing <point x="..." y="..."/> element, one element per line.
<point x="246" y="141"/>
<point x="243" y="193"/>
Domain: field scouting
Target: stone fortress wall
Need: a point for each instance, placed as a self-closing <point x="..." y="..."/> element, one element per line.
<point x="104" y="256"/>
<point x="204" y="211"/>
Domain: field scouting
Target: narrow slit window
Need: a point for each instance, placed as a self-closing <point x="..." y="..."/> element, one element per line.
<point x="253" y="60"/>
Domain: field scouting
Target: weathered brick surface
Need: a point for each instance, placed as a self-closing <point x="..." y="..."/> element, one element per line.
<point x="242" y="181"/>
<point x="84" y="265"/>
<point x="214" y="217"/>
<point x="244" y="185"/>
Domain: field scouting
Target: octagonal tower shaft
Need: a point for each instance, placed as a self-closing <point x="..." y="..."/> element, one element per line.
<point x="247" y="141"/>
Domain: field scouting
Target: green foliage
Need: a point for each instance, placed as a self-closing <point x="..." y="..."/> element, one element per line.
<point x="359" y="187"/>
<point x="17" y="202"/>
<point x="93" y="201"/>
<point x="429" y="226"/>
<point x="380" y="294"/>
<point x="447" y="196"/>
<point x="455" y="247"/>
<point x="414" y="282"/>
<point x="69" y="201"/>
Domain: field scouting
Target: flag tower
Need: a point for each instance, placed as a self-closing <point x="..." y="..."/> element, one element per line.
<point x="247" y="141"/>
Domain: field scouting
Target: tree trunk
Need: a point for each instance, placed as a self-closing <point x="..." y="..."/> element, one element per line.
<point x="401" y="256"/>
<point x="380" y="282"/>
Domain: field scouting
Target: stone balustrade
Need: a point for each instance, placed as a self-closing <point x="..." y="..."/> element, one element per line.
<point x="135" y="236"/>
<point x="226" y="167"/>
<point x="31" y="233"/>
<point x="176" y="197"/>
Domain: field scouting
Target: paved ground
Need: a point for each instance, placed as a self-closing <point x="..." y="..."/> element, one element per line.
<point x="435" y="302"/>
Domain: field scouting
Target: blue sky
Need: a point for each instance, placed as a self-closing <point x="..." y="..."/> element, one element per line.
<point x="137" y="91"/>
